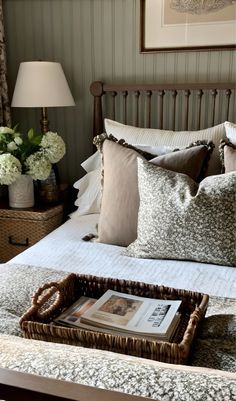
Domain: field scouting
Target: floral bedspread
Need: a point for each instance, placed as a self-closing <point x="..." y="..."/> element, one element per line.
<point x="212" y="375"/>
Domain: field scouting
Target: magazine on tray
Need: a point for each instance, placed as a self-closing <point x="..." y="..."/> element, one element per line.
<point x="124" y="314"/>
<point x="133" y="314"/>
<point x="72" y="315"/>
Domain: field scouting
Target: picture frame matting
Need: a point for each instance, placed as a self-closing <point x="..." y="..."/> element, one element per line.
<point x="165" y="25"/>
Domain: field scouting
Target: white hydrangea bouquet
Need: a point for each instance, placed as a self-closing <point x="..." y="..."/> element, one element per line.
<point x="32" y="155"/>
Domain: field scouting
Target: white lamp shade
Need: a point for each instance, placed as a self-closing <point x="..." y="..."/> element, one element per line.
<point x="41" y="84"/>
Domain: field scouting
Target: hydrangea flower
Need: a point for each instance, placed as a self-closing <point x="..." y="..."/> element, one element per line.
<point x="38" y="166"/>
<point x="6" y="130"/>
<point x="53" y="146"/>
<point x="10" y="169"/>
<point x="11" y="146"/>
<point x="31" y="154"/>
<point x="18" y="140"/>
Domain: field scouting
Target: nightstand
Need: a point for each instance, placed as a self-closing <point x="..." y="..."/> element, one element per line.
<point x="21" y="228"/>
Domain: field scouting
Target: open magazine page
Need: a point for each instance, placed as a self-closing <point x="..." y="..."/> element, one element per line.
<point x="72" y="315"/>
<point x="130" y="313"/>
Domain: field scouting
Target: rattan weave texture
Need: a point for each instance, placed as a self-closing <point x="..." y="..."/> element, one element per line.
<point x="36" y="323"/>
<point x="23" y="228"/>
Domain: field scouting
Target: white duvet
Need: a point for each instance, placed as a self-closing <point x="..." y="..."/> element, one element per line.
<point x="64" y="250"/>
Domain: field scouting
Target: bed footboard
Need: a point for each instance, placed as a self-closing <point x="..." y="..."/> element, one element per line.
<point x="24" y="386"/>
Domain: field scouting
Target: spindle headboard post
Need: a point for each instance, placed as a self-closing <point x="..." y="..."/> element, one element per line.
<point x="96" y="89"/>
<point x="195" y="105"/>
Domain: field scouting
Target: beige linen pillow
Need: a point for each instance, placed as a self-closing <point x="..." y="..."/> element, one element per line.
<point x="230" y="158"/>
<point x="174" y="139"/>
<point x="120" y="198"/>
<point x="186" y="220"/>
<point x="191" y="161"/>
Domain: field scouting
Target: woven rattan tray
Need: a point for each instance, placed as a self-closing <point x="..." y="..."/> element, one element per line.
<point x="51" y="299"/>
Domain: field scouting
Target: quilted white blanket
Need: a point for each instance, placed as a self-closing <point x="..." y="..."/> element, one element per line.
<point x="64" y="250"/>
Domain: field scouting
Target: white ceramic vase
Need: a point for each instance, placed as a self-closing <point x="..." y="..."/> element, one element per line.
<point x="21" y="192"/>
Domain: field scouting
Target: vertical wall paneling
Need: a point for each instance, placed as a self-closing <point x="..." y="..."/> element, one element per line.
<point x="94" y="40"/>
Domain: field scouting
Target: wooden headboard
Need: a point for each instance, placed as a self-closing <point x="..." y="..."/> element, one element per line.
<point x="189" y="106"/>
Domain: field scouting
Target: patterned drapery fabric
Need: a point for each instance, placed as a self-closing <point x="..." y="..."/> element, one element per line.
<point x="5" y="116"/>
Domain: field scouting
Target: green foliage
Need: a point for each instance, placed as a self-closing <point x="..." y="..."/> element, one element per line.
<point x="20" y="146"/>
<point x="30" y="134"/>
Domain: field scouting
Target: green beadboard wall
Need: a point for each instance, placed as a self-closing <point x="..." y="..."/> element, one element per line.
<point x="93" y="40"/>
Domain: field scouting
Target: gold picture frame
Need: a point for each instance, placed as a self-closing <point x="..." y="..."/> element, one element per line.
<point x="175" y="25"/>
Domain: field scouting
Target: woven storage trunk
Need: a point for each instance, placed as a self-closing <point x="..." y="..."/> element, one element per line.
<point x="51" y="299"/>
<point x="23" y="228"/>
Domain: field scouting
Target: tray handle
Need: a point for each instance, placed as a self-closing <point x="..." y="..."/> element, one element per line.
<point x="39" y="299"/>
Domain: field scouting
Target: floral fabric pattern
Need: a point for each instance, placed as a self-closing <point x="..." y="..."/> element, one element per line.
<point x="214" y="349"/>
<point x="115" y="372"/>
<point x="179" y="219"/>
<point x="5" y="117"/>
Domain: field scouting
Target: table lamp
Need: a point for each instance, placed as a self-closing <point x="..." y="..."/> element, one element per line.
<point x="41" y="84"/>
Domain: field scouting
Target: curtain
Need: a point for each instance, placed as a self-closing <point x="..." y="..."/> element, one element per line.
<point x="5" y="116"/>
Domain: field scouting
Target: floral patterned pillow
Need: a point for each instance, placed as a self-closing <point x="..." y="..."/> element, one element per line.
<point x="187" y="221"/>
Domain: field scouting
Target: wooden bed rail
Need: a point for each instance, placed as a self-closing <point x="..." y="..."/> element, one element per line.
<point x="17" y="386"/>
<point x="197" y="105"/>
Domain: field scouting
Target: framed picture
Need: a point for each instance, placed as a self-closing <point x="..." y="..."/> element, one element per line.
<point x="187" y="25"/>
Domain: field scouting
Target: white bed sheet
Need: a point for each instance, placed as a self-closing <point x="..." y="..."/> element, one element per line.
<point x="64" y="250"/>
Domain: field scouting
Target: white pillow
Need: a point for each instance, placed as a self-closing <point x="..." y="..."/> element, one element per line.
<point x="89" y="195"/>
<point x="92" y="163"/>
<point x="174" y="139"/>
<point x="230" y="129"/>
<point x="155" y="150"/>
<point x="89" y="187"/>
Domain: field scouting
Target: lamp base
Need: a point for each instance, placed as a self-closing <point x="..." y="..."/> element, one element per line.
<point x="44" y="122"/>
<point x="49" y="188"/>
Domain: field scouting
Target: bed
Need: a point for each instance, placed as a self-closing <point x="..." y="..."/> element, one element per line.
<point x="187" y="108"/>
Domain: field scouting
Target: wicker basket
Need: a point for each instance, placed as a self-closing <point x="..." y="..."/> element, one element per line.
<point x="23" y="228"/>
<point x="51" y="299"/>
